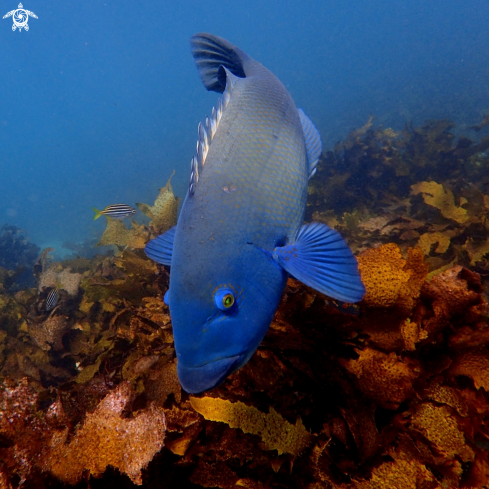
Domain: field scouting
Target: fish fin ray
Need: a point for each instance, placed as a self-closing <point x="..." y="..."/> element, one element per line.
<point x="207" y="131"/>
<point x="194" y="176"/>
<point x="320" y="258"/>
<point x="97" y="213"/>
<point x="160" y="249"/>
<point x="312" y="140"/>
<point x="210" y="53"/>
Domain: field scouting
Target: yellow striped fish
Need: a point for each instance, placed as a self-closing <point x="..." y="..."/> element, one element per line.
<point x="117" y="211"/>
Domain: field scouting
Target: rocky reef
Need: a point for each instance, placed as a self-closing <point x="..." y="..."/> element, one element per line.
<point x="390" y="392"/>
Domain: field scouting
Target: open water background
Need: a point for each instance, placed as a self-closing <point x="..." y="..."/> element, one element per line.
<point x="100" y="100"/>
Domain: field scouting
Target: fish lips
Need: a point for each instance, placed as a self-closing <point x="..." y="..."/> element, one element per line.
<point x="199" y="379"/>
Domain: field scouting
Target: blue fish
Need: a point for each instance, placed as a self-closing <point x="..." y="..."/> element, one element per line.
<point x="240" y="232"/>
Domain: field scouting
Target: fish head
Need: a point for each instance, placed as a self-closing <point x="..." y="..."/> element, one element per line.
<point x="220" y="311"/>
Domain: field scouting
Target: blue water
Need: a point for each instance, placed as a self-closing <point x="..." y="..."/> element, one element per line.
<point x="100" y="101"/>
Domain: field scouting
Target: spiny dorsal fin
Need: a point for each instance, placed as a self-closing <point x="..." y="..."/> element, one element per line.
<point x="210" y="53"/>
<point x="312" y="140"/>
<point x="207" y="131"/>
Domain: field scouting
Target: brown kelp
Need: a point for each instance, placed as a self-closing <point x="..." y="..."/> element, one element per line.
<point x="17" y="257"/>
<point x="391" y="392"/>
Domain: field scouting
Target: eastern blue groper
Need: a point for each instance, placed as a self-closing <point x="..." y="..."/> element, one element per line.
<point x="240" y="232"/>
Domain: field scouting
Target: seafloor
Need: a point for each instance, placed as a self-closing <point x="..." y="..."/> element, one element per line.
<point x="390" y="393"/>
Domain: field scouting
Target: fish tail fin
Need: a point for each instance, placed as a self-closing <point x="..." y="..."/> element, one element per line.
<point x="210" y="54"/>
<point x="97" y="213"/>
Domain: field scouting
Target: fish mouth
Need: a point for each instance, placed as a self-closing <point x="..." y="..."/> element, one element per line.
<point x="199" y="379"/>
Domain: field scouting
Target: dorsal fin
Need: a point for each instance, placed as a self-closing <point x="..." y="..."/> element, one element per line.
<point x="230" y="82"/>
<point x="312" y="140"/>
<point x="210" y="53"/>
<point x="207" y="131"/>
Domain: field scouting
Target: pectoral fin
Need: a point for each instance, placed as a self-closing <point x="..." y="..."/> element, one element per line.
<point x="160" y="249"/>
<point x="320" y="258"/>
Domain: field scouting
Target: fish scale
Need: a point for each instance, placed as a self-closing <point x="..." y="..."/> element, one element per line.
<point x="239" y="234"/>
<point x="250" y="152"/>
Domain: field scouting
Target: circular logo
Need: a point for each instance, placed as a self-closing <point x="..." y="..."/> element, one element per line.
<point x="20" y="18"/>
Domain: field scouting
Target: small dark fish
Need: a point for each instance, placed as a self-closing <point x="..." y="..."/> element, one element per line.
<point x="53" y="297"/>
<point x="117" y="211"/>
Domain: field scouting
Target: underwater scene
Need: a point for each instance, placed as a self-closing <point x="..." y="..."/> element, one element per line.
<point x="244" y="244"/>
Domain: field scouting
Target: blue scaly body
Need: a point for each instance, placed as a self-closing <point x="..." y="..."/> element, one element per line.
<point x="239" y="232"/>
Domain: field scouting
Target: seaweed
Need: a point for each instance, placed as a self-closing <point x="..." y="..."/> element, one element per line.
<point x="17" y="257"/>
<point x="163" y="216"/>
<point x="163" y="212"/>
<point x="390" y="392"/>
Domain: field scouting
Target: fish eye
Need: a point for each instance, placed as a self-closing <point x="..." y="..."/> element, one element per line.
<point x="224" y="299"/>
<point x="228" y="301"/>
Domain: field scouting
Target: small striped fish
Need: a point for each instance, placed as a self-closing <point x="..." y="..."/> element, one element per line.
<point x="53" y="297"/>
<point x="117" y="211"/>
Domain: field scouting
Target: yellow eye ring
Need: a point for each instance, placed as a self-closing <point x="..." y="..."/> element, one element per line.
<point x="228" y="301"/>
<point x="224" y="299"/>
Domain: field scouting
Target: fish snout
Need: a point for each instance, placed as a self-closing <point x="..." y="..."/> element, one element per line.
<point x="199" y="379"/>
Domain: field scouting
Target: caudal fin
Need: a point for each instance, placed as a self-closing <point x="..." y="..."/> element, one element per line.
<point x="210" y="53"/>
<point x="97" y="213"/>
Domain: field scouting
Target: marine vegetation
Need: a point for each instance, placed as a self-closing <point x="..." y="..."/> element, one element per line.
<point x="163" y="215"/>
<point x="417" y="187"/>
<point x="17" y="257"/>
<point x="390" y="393"/>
